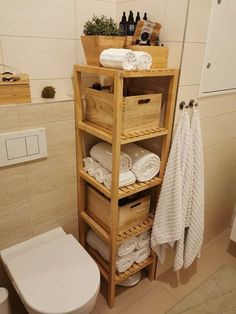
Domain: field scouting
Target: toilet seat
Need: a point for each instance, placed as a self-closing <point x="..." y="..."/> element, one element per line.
<point x="60" y="276"/>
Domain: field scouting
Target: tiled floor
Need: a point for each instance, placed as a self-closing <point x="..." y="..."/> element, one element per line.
<point x="159" y="296"/>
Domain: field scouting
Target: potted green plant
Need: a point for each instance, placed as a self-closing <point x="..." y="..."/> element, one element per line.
<point x="100" y="33"/>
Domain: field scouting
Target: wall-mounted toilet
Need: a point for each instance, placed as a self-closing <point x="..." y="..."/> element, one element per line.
<point x="53" y="274"/>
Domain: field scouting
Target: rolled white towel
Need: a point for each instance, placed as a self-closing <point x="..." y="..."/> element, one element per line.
<point x="143" y="240"/>
<point x="97" y="244"/>
<point x="127" y="246"/>
<point x="102" y="152"/>
<point x="145" y="164"/>
<point x="123" y="263"/>
<point x="142" y="254"/>
<point x="123" y="59"/>
<point x="100" y="173"/>
<point x="90" y="165"/>
<point x="126" y="178"/>
<point x="144" y="60"/>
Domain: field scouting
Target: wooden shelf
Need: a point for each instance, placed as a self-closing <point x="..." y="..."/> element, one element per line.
<point x="119" y="277"/>
<point x="136" y="230"/>
<point x="124" y="191"/>
<point x="106" y="135"/>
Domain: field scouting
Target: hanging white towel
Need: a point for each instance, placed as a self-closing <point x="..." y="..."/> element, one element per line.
<point x="194" y="237"/>
<point x="145" y="164"/>
<point x="170" y="215"/>
<point x="123" y="59"/>
<point x="125" y="178"/>
<point x="102" y="152"/>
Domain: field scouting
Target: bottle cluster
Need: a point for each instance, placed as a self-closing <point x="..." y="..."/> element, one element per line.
<point x="127" y="27"/>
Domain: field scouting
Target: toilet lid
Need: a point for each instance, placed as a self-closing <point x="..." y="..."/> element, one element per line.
<point x="59" y="277"/>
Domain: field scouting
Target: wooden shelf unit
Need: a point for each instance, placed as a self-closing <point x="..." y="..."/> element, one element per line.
<point x="163" y="81"/>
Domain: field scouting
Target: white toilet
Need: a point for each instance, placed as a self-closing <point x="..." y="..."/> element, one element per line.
<point x="53" y="274"/>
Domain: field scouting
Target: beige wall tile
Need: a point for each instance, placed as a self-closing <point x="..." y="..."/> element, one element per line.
<point x="231" y="125"/>
<point x="175" y="50"/>
<point x="229" y="156"/>
<point x="16" y="237"/>
<point x="9" y="118"/>
<point x="61" y="111"/>
<point x="53" y="204"/>
<point x="50" y="174"/>
<point x="12" y="184"/>
<point x="214" y="130"/>
<point x="34" y="114"/>
<point x="214" y="156"/>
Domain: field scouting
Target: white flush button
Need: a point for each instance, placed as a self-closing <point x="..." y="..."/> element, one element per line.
<point x="32" y="145"/>
<point x="16" y="148"/>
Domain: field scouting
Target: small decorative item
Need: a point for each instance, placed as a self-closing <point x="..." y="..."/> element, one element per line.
<point x="48" y="92"/>
<point x="100" y="33"/>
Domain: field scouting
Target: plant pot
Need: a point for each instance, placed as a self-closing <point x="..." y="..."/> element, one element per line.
<point x="94" y="45"/>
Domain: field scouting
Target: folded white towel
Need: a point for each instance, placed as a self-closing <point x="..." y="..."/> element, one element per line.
<point x="97" y="244"/>
<point x="125" y="178"/>
<point x="127" y="246"/>
<point x="144" y="60"/>
<point x="123" y="263"/>
<point x="100" y="173"/>
<point x="102" y="152"/>
<point x="143" y="240"/>
<point x="123" y="59"/>
<point x="145" y="165"/>
<point x="142" y="254"/>
<point x="90" y="165"/>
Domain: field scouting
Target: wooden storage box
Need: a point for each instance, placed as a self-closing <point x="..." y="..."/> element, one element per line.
<point x="140" y="112"/>
<point x="17" y="92"/>
<point x="130" y="214"/>
<point x="159" y="54"/>
<point x="94" y="45"/>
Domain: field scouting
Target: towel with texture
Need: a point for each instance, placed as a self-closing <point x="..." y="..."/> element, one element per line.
<point x="122" y="263"/>
<point x="171" y="212"/>
<point x="143" y="239"/>
<point x="102" y="152"/>
<point x="144" y="60"/>
<point x="91" y="165"/>
<point x="123" y="59"/>
<point x="100" y="173"/>
<point x="145" y="165"/>
<point x="125" y="178"/>
<point x="142" y="254"/>
<point x="194" y="237"/>
<point x="127" y="246"/>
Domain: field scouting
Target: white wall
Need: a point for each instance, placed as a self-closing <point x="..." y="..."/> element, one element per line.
<point x="42" y="38"/>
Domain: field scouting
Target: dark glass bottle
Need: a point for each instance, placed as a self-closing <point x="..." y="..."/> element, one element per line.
<point x="137" y="18"/>
<point x="145" y="16"/>
<point x="123" y="25"/>
<point x="130" y="24"/>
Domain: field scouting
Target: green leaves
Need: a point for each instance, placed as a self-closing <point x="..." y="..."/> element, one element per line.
<point x="101" y="26"/>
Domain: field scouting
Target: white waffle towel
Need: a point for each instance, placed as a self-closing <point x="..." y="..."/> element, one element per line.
<point x="123" y="59"/>
<point x="102" y="152"/>
<point x="142" y="254"/>
<point x="127" y="246"/>
<point x="143" y="239"/>
<point x="144" y="60"/>
<point x="145" y="164"/>
<point x="125" y="178"/>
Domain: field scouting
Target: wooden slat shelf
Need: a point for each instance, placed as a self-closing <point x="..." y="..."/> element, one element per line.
<point x="136" y="230"/>
<point x="106" y="135"/>
<point x="119" y="277"/>
<point x="124" y="191"/>
<point x="159" y="81"/>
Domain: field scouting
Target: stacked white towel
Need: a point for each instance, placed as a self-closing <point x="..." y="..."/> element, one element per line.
<point x="100" y="174"/>
<point x="90" y="165"/>
<point x="102" y="152"/>
<point x="122" y="263"/>
<point x="144" y="60"/>
<point x="143" y="240"/>
<point x="123" y="59"/>
<point x="125" y="178"/>
<point x="127" y="246"/>
<point x="145" y="164"/>
<point x="142" y="254"/>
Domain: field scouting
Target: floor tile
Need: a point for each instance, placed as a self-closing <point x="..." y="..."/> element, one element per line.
<point x="158" y="300"/>
<point x="181" y="283"/>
